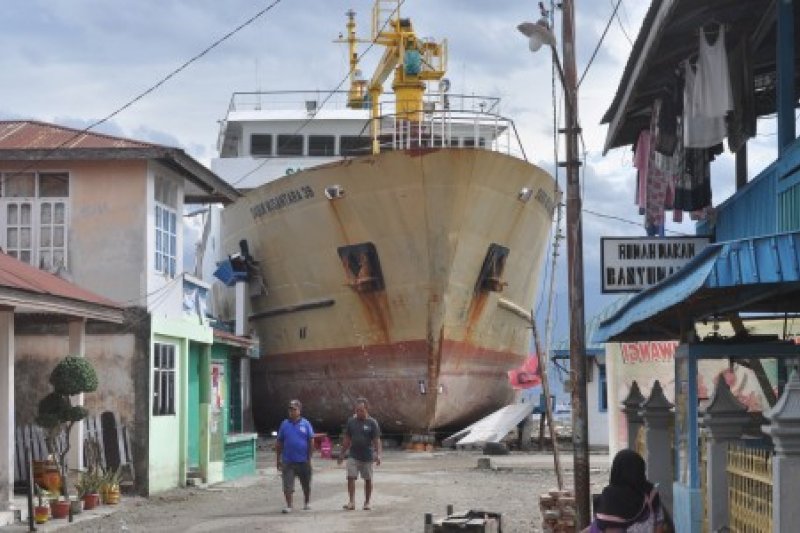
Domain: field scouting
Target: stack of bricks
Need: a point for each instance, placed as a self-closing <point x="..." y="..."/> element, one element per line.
<point x="558" y="511"/>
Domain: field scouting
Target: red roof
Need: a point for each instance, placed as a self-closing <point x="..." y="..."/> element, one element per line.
<point x="14" y="274"/>
<point x="32" y="135"/>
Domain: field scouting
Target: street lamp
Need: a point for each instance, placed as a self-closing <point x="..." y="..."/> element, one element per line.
<point x="539" y="33"/>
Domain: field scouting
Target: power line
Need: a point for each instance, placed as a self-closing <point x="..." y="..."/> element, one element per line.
<point x="621" y="26"/>
<point x="632" y="222"/>
<point x="157" y="85"/>
<point x="600" y="42"/>
<point x="556" y="234"/>
<point x="189" y="62"/>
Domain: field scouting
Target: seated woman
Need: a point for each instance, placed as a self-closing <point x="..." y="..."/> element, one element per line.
<point x="630" y="503"/>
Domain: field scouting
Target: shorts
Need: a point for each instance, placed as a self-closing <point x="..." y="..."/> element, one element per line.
<point x="356" y="467"/>
<point x="303" y="473"/>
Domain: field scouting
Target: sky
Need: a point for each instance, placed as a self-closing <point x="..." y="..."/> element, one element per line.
<point x="74" y="62"/>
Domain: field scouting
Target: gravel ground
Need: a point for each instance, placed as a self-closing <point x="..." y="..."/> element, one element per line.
<point x="407" y="485"/>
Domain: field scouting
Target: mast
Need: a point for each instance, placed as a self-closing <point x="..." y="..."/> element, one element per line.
<point x="355" y="97"/>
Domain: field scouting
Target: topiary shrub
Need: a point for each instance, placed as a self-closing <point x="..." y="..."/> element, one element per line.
<point x="71" y="376"/>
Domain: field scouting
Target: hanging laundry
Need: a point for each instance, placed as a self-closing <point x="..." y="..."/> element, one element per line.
<point x="742" y="121"/>
<point x="641" y="161"/>
<point x="660" y="170"/>
<point x="712" y="86"/>
<point x="699" y="131"/>
<point x="693" y="189"/>
<point x="667" y="132"/>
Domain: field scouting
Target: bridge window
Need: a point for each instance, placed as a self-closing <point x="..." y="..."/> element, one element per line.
<point x="261" y="144"/>
<point x="290" y="145"/>
<point x="354" y="145"/>
<point x="321" y="145"/>
<point x="469" y="142"/>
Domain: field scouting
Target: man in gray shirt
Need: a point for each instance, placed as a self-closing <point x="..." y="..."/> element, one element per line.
<point x="362" y="438"/>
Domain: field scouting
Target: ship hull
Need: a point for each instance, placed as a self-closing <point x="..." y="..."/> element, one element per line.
<point x="426" y="338"/>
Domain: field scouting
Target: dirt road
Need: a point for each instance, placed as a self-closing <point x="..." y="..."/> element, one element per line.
<point x="407" y="485"/>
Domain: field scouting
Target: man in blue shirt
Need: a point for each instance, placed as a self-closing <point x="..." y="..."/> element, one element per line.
<point x="293" y="450"/>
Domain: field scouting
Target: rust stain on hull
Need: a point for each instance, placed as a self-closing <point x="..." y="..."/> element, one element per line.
<point x="376" y="312"/>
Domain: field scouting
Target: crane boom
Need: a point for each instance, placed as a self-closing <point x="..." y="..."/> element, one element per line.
<point x="413" y="61"/>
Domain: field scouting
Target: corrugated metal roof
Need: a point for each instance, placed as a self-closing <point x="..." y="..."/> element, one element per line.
<point x="34" y="135"/>
<point x="14" y="274"/>
<point x="754" y="275"/>
<point x="31" y="141"/>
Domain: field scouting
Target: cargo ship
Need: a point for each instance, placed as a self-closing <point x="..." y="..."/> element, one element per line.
<point x="397" y="238"/>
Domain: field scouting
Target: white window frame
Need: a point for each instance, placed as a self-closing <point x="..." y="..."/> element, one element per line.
<point x="165" y="359"/>
<point x="38" y="250"/>
<point x="165" y="253"/>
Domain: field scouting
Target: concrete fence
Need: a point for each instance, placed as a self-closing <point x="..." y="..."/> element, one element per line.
<point x="749" y="460"/>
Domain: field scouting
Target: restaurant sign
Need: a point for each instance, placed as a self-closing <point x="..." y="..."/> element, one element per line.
<point x="632" y="264"/>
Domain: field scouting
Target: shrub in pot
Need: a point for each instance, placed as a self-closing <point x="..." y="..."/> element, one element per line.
<point x="88" y="488"/>
<point x="70" y="377"/>
<point x="109" y="490"/>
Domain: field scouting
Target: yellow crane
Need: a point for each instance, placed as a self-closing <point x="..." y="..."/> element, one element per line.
<point x="413" y="60"/>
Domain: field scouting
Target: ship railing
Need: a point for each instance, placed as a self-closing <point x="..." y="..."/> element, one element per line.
<point x="315" y="100"/>
<point x="451" y="128"/>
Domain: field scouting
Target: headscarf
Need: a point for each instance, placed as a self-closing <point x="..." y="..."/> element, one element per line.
<point x="624" y="501"/>
<point x="628" y="470"/>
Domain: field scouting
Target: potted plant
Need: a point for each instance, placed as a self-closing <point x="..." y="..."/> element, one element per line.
<point x="109" y="490"/>
<point x="88" y="488"/>
<point x="59" y="508"/>
<point x="71" y="376"/>
<point x="41" y="512"/>
<point x="47" y="475"/>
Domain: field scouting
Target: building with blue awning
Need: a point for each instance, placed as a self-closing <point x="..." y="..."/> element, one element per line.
<point x="752" y="267"/>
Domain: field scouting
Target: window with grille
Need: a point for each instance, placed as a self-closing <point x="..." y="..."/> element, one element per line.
<point x="166" y="221"/>
<point x="163" y="379"/>
<point x="34" y="209"/>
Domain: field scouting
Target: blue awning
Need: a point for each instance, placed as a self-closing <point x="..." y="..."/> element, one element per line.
<point x="753" y="275"/>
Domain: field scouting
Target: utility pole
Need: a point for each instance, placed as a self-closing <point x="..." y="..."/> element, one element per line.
<point x="577" y="325"/>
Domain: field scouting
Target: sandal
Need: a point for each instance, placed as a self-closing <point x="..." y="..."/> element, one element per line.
<point x="349" y="507"/>
<point x="367" y="507"/>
